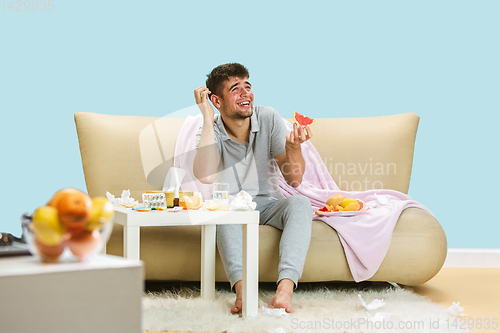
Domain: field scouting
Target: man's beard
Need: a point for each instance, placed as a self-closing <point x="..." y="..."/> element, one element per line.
<point x="238" y="115"/>
<point x="244" y="116"/>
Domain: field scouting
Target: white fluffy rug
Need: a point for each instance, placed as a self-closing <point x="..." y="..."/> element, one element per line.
<point x="320" y="309"/>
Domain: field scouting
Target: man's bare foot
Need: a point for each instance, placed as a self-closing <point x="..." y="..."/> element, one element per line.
<point x="283" y="297"/>
<point x="238" y="288"/>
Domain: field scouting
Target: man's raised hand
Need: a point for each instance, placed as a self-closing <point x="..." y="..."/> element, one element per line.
<point x="298" y="135"/>
<point x="201" y="97"/>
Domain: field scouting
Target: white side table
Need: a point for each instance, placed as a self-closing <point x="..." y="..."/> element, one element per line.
<point x="103" y="295"/>
<point x="133" y="220"/>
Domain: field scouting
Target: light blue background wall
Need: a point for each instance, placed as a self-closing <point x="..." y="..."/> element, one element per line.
<point x="439" y="59"/>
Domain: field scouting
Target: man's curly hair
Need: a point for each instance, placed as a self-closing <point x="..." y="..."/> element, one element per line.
<point x="222" y="73"/>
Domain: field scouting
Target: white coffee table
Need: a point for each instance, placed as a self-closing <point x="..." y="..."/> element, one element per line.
<point x="102" y="295"/>
<point x="132" y="221"/>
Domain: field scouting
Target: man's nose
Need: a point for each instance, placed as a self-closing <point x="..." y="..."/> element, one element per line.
<point x="245" y="93"/>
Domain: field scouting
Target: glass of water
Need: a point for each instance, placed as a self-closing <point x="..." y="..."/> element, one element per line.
<point x="220" y="193"/>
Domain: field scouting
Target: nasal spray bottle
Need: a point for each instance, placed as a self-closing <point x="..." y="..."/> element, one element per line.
<point x="176" y="197"/>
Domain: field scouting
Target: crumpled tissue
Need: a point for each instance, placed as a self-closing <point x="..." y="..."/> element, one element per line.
<point x="382" y="199"/>
<point x="378" y="317"/>
<point x="375" y="304"/>
<point x="243" y="201"/>
<point x="125" y="199"/>
<point x="456" y="310"/>
<point x="274" y="312"/>
<point x="278" y="330"/>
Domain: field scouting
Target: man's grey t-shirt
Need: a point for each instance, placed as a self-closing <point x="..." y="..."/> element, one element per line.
<point x="250" y="166"/>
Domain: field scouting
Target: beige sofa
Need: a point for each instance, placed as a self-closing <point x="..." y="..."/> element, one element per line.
<point x="361" y="154"/>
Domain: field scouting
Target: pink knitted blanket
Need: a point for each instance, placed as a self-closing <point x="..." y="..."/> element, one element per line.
<point x="365" y="237"/>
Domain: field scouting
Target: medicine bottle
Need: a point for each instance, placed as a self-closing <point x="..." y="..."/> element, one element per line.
<point x="176" y="197"/>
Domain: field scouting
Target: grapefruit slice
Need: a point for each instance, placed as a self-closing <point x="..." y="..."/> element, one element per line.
<point x="362" y="205"/>
<point x="302" y="120"/>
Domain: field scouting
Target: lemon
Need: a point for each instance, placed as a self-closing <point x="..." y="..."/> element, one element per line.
<point x="344" y="203"/>
<point x="48" y="216"/>
<point x="48" y="236"/>
<point x="47" y="227"/>
<point x="354" y="206"/>
<point x="102" y="212"/>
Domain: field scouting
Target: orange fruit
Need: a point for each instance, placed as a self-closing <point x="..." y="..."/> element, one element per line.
<point x="74" y="210"/>
<point x="73" y="207"/>
<point x="335" y="200"/>
<point x="60" y="194"/>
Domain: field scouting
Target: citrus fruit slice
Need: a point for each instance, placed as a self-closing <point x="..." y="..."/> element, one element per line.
<point x="362" y="205"/>
<point x="322" y="210"/>
<point x="212" y="206"/>
<point x="128" y="206"/>
<point x="302" y="120"/>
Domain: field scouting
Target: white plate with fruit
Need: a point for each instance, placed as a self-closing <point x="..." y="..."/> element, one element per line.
<point x="340" y="205"/>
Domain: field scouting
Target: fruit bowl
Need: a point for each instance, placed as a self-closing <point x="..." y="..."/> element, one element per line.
<point x="74" y="245"/>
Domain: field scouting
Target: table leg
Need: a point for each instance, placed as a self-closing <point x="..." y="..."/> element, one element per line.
<point x="131" y="242"/>
<point x="250" y="270"/>
<point x="208" y="261"/>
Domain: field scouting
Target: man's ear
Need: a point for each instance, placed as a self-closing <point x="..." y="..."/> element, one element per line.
<point x="215" y="100"/>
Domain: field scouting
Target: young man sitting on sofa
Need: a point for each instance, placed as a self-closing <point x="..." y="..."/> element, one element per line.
<point x="242" y="147"/>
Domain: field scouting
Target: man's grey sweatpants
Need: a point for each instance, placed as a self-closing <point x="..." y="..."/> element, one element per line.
<point x="292" y="215"/>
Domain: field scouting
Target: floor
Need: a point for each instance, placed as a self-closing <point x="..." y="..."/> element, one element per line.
<point x="475" y="288"/>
